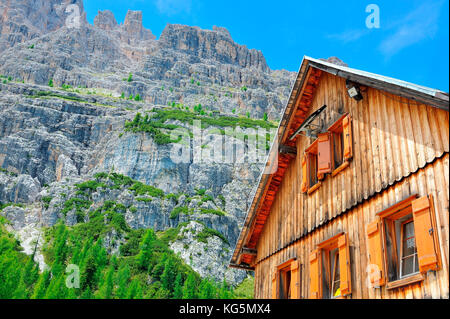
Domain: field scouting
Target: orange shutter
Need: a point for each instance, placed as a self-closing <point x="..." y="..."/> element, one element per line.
<point x="274" y="284"/>
<point x="376" y="265"/>
<point x="344" y="265"/>
<point x="426" y="236"/>
<point x="324" y="154"/>
<point x="304" y="175"/>
<point x="315" y="275"/>
<point x="295" y="280"/>
<point x="348" y="139"/>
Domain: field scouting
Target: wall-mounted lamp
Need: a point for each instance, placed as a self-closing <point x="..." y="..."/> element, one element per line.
<point x="353" y="90"/>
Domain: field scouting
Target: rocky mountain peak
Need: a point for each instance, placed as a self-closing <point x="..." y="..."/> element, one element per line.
<point x="23" y="20"/>
<point x="215" y="44"/>
<point x="133" y="26"/>
<point x="335" y="60"/>
<point x="105" y="20"/>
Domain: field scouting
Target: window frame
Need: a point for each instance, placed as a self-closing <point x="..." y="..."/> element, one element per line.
<point x="388" y="218"/>
<point x="280" y="274"/>
<point x="312" y="151"/>
<point x="338" y="128"/>
<point x="325" y="249"/>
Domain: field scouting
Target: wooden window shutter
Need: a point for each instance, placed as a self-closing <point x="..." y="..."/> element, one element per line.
<point x="304" y="174"/>
<point x="324" y="154"/>
<point x="426" y="234"/>
<point x="347" y="136"/>
<point x="344" y="265"/>
<point x="315" y="275"/>
<point x="376" y="264"/>
<point x="295" y="280"/>
<point x="274" y="284"/>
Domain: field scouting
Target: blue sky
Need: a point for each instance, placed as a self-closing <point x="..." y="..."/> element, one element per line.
<point x="412" y="43"/>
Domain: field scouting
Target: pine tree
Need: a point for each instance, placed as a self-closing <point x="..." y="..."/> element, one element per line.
<point x="207" y="290"/>
<point x="106" y="290"/>
<point x="168" y="275"/>
<point x="190" y="287"/>
<point x="123" y="278"/>
<point x="145" y="253"/>
<point x="224" y="291"/>
<point x="178" y="289"/>
<point x="57" y="288"/>
<point x="87" y="294"/>
<point x="88" y="274"/>
<point x="135" y="290"/>
<point x="60" y="249"/>
<point x="41" y="286"/>
<point x="265" y="117"/>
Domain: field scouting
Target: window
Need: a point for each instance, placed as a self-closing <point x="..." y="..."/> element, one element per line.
<point x="338" y="147"/>
<point x="329" y="153"/>
<point x="341" y="140"/>
<point x="285" y="283"/>
<point x="408" y="251"/>
<point x="403" y="258"/>
<point x="330" y="269"/>
<point x="310" y="169"/>
<point x="336" y="277"/>
<point x="286" y="280"/>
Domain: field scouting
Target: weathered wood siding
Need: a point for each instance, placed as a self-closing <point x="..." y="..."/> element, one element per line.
<point x="399" y="148"/>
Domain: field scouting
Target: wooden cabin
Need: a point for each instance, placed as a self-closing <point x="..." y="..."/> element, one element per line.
<point x="358" y="205"/>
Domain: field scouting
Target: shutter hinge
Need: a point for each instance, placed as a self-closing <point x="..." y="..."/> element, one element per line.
<point x="431" y="231"/>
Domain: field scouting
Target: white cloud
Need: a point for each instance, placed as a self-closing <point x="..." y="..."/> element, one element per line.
<point x="349" y="36"/>
<point x="172" y="7"/>
<point x="420" y="24"/>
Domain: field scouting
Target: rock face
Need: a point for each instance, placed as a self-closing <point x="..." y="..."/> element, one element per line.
<point x="22" y="20"/>
<point x="55" y="136"/>
<point x="213" y="250"/>
<point x="217" y="45"/>
<point x="105" y="20"/>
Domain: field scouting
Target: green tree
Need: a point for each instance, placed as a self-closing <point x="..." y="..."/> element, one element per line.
<point x="225" y="291"/>
<point x="190" y="287"/>
<point x="41" y="286"/>
<point x="137" y="97"/>
<point x="145" y="253"/>
<point x="134" y="290"/>
<point x="50" y="83"/>
<point x="107" y="288"/>
<point x="207" y="290"/>
<point x="130" y="78"/>
<point x="123" y="279"/>
<point x="265" y="117"/>
<point x="169" y="274"/>
<point x="178" y="289"/>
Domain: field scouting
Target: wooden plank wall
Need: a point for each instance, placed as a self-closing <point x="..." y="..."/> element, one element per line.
<point x="433" y="179"/>
<point x="394" y="138"/>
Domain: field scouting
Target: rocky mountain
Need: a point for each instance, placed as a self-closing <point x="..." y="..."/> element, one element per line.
<point x="93" y="113"/>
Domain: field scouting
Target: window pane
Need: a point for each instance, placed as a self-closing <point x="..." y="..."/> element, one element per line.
<point x="408" y="266"/>
<point x="336" y="277"/>
<point x="409" y="245"/>
<point x="409" y="229"/>
<point x="313" y="170"/>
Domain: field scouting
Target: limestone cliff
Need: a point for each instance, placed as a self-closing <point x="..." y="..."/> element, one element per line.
<point x="66" y="96"/>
